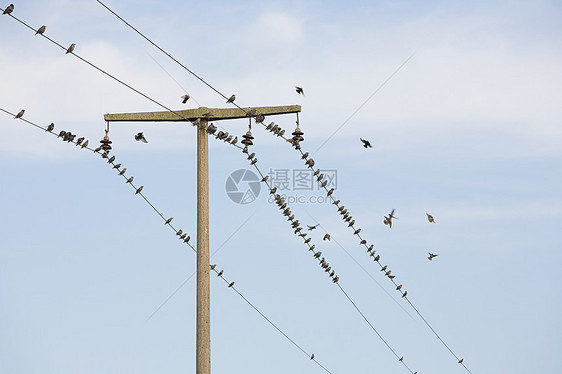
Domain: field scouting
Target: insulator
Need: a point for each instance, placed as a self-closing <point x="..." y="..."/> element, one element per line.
<point x="105" y="143"/>
<point x="297" y="135"/>
<point x="247" y="138"/>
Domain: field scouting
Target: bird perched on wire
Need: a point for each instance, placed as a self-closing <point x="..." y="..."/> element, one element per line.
<point x="231" y="99"/>
<point x="41" y="30"/>
<point x="430" y="218"/>
<point x="51" y="127"/>
<point x="431" y="256"/>
<point x="70" y="49"/>
<point x="140" y="138"/>
<point x="9" y="9"/>
<point x="310" y="228"/>
<point x="366" y="143"/>
<point x="299" y="90"/>
<point x="20" y="114"/>
<point x="184" y="99"/>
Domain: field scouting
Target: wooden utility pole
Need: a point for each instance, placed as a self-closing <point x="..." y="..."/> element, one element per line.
<point x="203" y="338"/>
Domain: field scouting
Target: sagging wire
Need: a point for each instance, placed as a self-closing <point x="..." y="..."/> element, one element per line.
<point x="167" y="221"/>
<point x="348" y="218"/>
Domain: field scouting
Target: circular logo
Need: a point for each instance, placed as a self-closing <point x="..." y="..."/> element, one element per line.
<point x="243" y="186"/>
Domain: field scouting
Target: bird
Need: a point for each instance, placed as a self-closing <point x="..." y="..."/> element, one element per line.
<point x="431" y="256"/>
<point x="186" y="240"/>
<point x="391" y="215"/>
<point x="317" y="254"/>
<point x="213" y="266"/>
<point x="312" y="356"/>
<point x="430" y="218"/>
<point x="79" y="141"/>
<point x="62" y="134"/>
<point x="130" y="180"/>
<point x="184" y="99"/>
<point x="71" y="48"/>
<point x="405" y="293"/>
<point x="9" y="9"/>
<point x="220" y="273"/>
<point x="111" y="159"/>
<point x="41" y="30"/>
<point x="51" y="127"/>
<point x="387" y="221"/>
<point x="182" y="237"/>
<point x="299" y="90"/>
<point x="122" y="171"/>
<point x="231" y="284"/>
<point x="231" y="99"/>
<point x="401" y="359"/>
<point x="139" y="190"/>
<point x="461" y="360"/>
<point x="366" y="143"/>
<point x="20" y="114"/>
<point x="310" y="228"/>
<point x="168" y="220"/>
<point x="399" y="287"/>
<point x="384" y="267"/>
<point x="85" y="144"/>
<point x="180" y="231"/>
<point x="116" y="166"/>
<point x="140" y="138"/>
<point x="336" y="279"/>
<point x="326" y="237"/>
<point x="387" y="273"/>
<point x="234" y="141"/>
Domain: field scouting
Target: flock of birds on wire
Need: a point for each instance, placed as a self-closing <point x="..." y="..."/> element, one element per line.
<point x="105" y="148"/>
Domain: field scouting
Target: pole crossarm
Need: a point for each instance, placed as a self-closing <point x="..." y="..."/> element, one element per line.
<point x="212" y="114"/>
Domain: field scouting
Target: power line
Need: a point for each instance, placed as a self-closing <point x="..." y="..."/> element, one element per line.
<point x="168" y="222"/>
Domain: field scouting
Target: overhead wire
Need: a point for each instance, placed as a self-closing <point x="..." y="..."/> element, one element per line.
<point x="180" y="116"/>
<point x="297" y="148"/>
<point x="168" y="222"/>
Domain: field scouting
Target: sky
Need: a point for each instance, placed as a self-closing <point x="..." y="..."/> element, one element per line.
<point x="468" y="130"/>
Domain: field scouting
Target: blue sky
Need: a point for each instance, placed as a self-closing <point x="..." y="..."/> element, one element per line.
<point x="468" y="130"/>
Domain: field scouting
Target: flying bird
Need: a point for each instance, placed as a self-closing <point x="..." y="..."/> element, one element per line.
<point x="430" y="218"/>
<point x="299" y="90"/>
<point x="231" y="99"/>
<point x="140" y="138"/>
<point x="184" y="99"/>
<point x="70" y="49"/>
<point x="366" y="143"/>
<point x="9" y="9"/>
<point x="20" y="114"/>
<point x="51" y="127"/>
<point x="431" y="256"/>
<point x="310" y="228"/>
<point x="41" y="30"/>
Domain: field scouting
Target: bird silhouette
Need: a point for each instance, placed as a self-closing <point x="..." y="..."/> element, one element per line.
<point x="231" y="99"/>
<point x="20" y="114"/>
<point x="9" y="9"/>
<point x="461" y="360"/>
<point x="299" y="90"/>
<point x="220" y="273"/>
<point x="184" y="99"/>
<point x="168" y="220"/>
<point x="430" y="218"/>
<point x="122" y="171"/>
<point x="431" y="256"/>
<point x="51" y="127"/>
<point x="70" y="49"/>
<point x="41" y="30"/>
<point x="140" y="138"/>
<point x="85" y="144"/>
<point x="130" y="180"/>
<point x="139" y="190"/>
<point x="231" y="284"/>
<point x="310" y="228"/>
<point x="326" y="237"/>
<point x="366" y="143"/>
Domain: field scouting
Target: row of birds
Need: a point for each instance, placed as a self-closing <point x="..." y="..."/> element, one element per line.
<point x="41" y="30"/>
